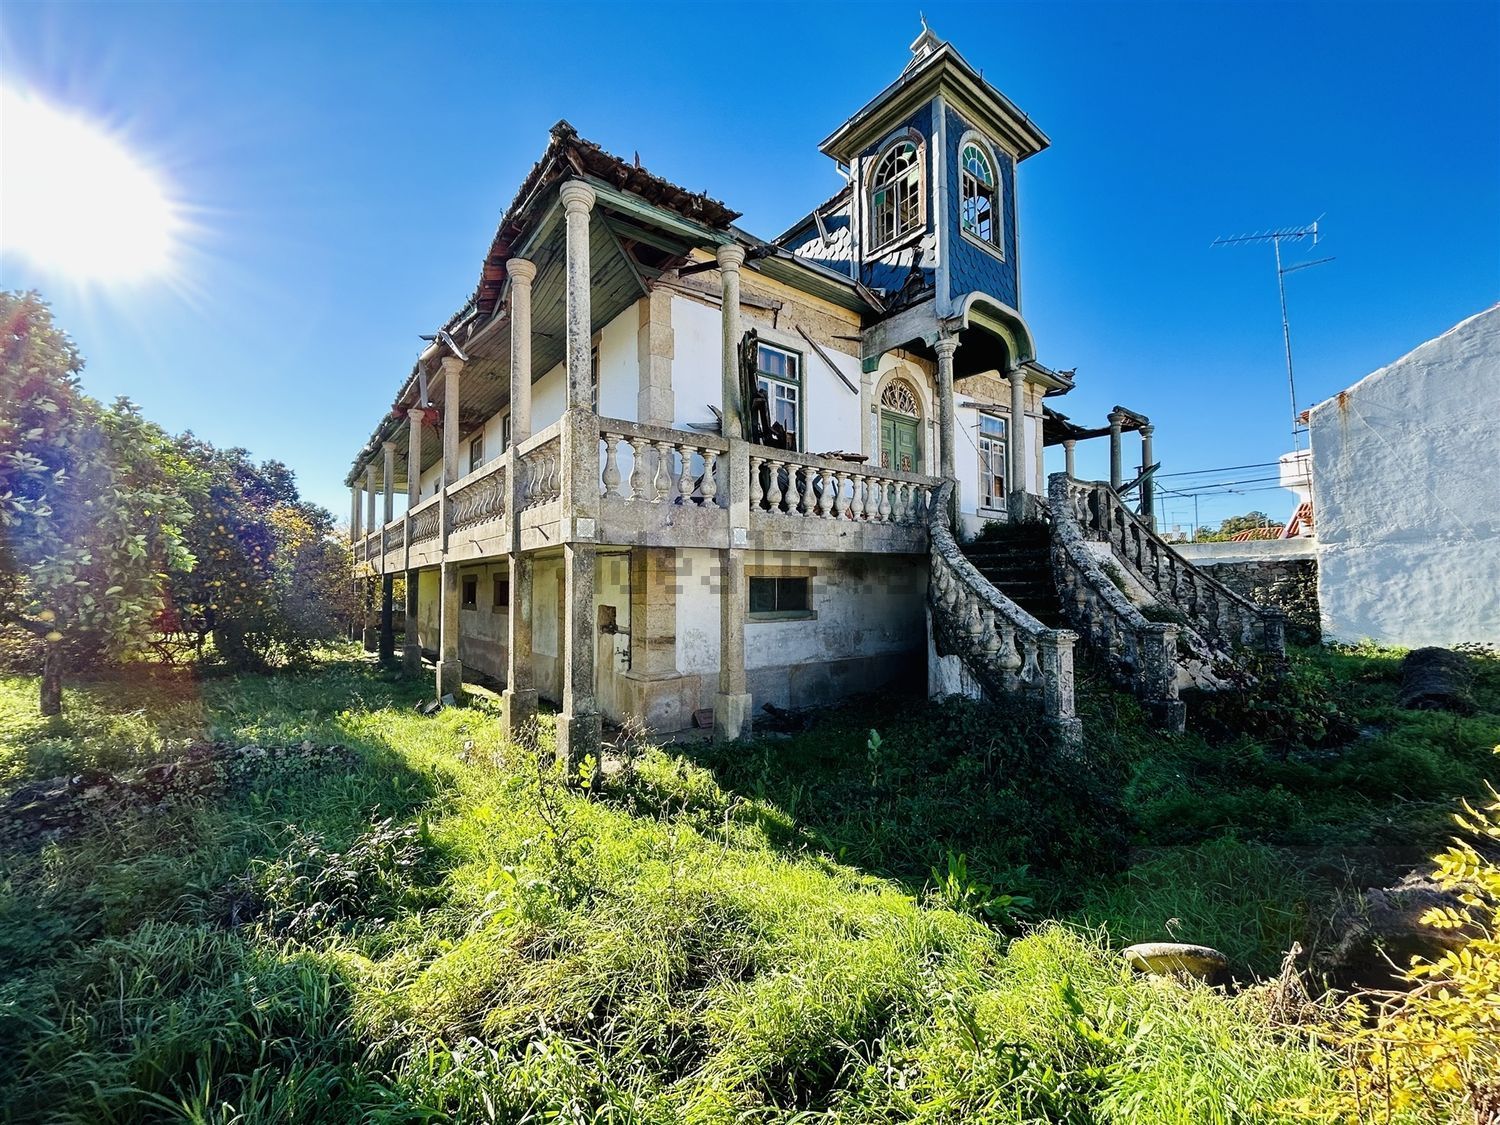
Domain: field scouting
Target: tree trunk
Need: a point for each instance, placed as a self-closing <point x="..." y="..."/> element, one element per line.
<point x="52" y="670"/>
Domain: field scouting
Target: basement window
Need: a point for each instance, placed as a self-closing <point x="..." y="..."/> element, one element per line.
<point x="470" y="588"/>
<point x="775" y="599"/>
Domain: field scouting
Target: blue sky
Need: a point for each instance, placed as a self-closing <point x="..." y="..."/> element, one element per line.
<point x="345" y="166"/>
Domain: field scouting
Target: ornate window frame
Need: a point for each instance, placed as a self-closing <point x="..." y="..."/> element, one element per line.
<point x="918" y="144"/>
<point x="987" y="151"/>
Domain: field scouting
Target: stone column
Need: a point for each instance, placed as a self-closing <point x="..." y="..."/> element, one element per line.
<point x="1016" y="500"/>
<point x="1148" y="484"/>
<point x="387" y="642"/>
<point x="411" y="649"/>
<point x="731" y="258"/>
<point x="521" y="274"/>
<point x="1116" y="467"/>
<point x="520" y="674"/>
<point x="578" y="725"/>
<point x="1068" y="449"/>
<point x="354" y="514"/>
<point x="371" y="625"/>
<point x="732" y="706"/>
<point x="578" y="203"/>
<point x="946" y="424"/>
<point x="450" y="671"/>
<point x="1056" y="653"/>
<point x="655" y="349"/>
<point x="357" y="621"/>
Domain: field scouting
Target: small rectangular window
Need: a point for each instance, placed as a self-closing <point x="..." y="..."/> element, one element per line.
<point x="505" y="432"/>
<point x="476" y="453"/>
<point x="780" y="597"/>
<point x="594" y="376"/>
<point x="502" y="592"/>
<point x="470" y="588"/>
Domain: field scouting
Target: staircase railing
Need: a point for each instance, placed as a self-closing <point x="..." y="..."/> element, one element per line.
<point x="1008" y="651"/>
<point x="1139" y="654"/>
<point x="1216" y="613"/>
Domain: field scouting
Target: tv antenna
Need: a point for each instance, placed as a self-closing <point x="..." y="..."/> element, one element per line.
<point x="1276" y="238"/>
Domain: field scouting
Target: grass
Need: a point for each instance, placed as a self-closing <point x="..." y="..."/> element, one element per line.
<point x="448" y="931"/>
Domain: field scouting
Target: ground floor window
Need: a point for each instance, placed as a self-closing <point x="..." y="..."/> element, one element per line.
<point x="992" y="443"/>
<point x="780" y="597"/>
<point x="502" y="592"/>
<point x="470" y="588"/>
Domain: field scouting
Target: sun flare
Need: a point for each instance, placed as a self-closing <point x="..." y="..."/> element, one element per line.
<point x="76" y="202"/>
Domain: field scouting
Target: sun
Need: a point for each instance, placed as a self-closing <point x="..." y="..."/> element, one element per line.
<point x="76" y="202"/>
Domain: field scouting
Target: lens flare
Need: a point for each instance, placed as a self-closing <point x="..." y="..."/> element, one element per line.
<point x="76" y="202"/>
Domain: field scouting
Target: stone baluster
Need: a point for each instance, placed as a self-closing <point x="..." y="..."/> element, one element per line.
<point x="611" y="466"/>
<point x="773" y="486"/>
<point x="758" y="487"/>
<point x="885" y="500"/>
<point x="710" y="481"/>
<point x="817" y="483"/>
<point x="638" y="480"/>
<point x="685" y="476"/>
<point x="661" y="488"/>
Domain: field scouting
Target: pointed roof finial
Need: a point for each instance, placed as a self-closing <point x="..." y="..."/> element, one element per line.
<point x="924" y="44"/>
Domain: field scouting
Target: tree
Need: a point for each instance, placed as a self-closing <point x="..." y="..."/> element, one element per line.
<point x="1233" y="525"/>
<point x="90" y="518"/>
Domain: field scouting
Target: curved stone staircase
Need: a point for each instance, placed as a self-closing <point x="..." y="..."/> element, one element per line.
<point x="1007" y="606"/>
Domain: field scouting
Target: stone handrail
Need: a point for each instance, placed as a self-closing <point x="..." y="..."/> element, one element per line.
<point x="372" y="545"/>
<point x="424" y="520"/>
<point x="1140" y="654"/>
<point x="661" y="465"/>
<point x="540" y="466"/>
<point x="391" y="537"/>
<point x="799" y="484"/>
<point x="479" y="497"/>
<point x="1216" y="613"/>
<point x="1007" y="650"/>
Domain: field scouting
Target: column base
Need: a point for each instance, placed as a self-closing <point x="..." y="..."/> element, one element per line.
<point x="450" y="678"/>
<point x="520" y="716"/>
<point x="411" y="658"/>
<point x="578" y="736"/>
<point x="371" y="638"/>
<point x="731" y="716"/>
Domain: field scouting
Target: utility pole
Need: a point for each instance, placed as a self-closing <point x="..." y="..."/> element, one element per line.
<point x="1275" y="238"/>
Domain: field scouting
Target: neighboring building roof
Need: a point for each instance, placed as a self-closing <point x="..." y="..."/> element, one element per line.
<point x="1250" y="534"/>
<point x="1301" y="522"/>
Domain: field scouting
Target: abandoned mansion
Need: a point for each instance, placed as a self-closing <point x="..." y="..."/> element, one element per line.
<point x="659" y="467"/>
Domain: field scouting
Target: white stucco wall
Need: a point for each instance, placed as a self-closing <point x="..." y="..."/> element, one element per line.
<point x="1406" y="494"/>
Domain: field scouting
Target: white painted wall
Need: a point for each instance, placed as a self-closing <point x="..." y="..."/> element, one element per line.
<point x="1406" y="494"/>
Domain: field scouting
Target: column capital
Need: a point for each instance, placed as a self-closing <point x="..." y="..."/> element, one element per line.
<point x="1147" y="430"/>
<point x="388" y="446"/>
<point x="1016" y="375"/>
<point x="520" y="271"/>
<point x="451" y="364"/>
<point x="731" y="256"/>
<point x="946" y="346"/>
<point x="577" y="197"/>
<point x="1116" y="419"/>
<point x="370" y="474"/>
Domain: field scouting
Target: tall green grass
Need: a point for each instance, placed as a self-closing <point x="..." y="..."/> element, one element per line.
<point x="448" y="931"/>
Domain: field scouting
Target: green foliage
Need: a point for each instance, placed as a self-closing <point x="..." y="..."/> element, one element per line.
<point x="1232" y="525"/>
<point x="957" y="890"/>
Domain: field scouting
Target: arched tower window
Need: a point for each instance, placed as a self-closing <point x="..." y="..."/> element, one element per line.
<point x="978" y="194"/>
<point x="896" y="193"/>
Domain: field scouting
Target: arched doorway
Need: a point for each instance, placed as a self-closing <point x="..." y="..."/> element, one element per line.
<point x="900" y="427"/>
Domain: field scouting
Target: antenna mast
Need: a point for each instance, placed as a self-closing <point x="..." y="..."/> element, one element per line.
<point x="1275" y="238"/>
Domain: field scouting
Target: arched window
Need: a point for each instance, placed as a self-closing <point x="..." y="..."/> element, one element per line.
<point x="978" y="198"/>
<point x="896" y="194"/>
<point x="899" y="396"/>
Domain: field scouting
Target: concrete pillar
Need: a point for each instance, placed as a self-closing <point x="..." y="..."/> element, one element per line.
<point x="1069" y="446"/>
<point x="578" y="202"/>
<point x="946" y="426"/>
<point x="371" y="636"/>
<point x="1016" y="500"/>
<point x="1116" y="467"/>
<point x="732" y="706"/>
<point x="655" y="349"/>
<point x="354" y="514"/>
<point x="357" y="621"/>
<point x="869" y="430"/>
<point x="578" y="724"/>
<point x="731" y="258"/>
<point x="1148" y="485"/>
<point x="450" y="672"/>
<point x="388" y="448"/>
<point x="521" y="274"/>
<point x="520" y="675"/>
<point x="411" y="649"/>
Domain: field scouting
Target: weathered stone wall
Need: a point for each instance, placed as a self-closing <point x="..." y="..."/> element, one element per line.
<point x="1282" y="573"/>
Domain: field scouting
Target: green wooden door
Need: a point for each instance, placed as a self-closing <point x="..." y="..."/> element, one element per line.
<point x="898" y="443"/>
